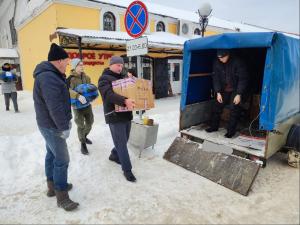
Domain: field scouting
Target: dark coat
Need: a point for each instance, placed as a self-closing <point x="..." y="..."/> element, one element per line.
<point x="237" y="72"/>
<point x="51" y="98"/>
<point x="110" y="98"/>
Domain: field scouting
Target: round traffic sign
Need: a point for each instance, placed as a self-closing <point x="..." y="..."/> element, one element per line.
<point x="136" y="19"/>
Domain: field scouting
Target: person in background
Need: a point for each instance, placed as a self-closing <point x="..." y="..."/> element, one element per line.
<point x="230" y="81"/>
<point x="8" y="81"/>
<point x="119" y="122"/>
<point x="53" y="114"/>
<point x="131" y="73"/>
<point x="84" y="117"/>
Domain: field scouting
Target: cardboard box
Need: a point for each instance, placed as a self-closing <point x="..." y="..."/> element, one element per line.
<point x="139" y="90"/>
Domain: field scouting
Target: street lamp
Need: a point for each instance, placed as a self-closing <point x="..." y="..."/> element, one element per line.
<point x="204" y="11"/>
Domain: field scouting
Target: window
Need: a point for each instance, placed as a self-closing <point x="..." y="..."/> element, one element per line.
<point x="13" y="32"/>
<point x="147" y="68"/>
<point x="185" y="28"/>
<point x="109" y="21"/>
<point x="160" y="26"/>
<point x="197" y="31"/>
<point x="176" y="72"/>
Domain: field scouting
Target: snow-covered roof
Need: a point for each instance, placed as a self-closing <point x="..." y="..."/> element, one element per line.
<point x="187" y="15"/>
<point x="156" y="40"/>
<point x="153" y="8"/>
<point x="8" y="53"/>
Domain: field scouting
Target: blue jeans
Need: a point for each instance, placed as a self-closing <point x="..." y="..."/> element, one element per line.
<point x="120" y="135"/>
<point x="57" y="158"/>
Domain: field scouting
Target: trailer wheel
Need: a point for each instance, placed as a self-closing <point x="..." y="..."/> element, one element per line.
<point x="293" y="141"/>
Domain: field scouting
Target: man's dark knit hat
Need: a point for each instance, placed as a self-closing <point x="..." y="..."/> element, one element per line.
<point x="56" y="53"/>
<point x="6" y="67"/>
<point x="222" y="52"/>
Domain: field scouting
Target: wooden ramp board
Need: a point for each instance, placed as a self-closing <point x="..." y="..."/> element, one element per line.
<point x="231" y="171"/>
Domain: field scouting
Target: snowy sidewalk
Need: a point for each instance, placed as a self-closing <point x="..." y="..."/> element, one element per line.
<point x="164" y="193"/>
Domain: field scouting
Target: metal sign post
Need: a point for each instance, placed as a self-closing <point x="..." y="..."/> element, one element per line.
<point x="140" y="75"/>
<point x="136" y="23"/>
<point x="138" y="47"/>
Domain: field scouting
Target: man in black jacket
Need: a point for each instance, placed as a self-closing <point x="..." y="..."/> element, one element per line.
<point x="230" y="80"/>
<point x="53" y="114"/>
<point x="119" y="122"/>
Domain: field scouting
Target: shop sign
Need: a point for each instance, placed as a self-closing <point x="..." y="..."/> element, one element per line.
<point x="91" y="58"/>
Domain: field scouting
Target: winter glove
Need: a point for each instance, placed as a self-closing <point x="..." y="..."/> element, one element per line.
<point x="65" y="134"/>
<point x="82" y="99"/>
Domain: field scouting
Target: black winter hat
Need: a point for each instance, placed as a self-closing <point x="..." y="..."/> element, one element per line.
<point x="6" y="67"/>
<point x="222" y="52"/>
<point x="56" y="53"/>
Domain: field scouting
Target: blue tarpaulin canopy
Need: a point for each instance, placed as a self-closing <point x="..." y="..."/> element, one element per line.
<point x="280" y="97"/>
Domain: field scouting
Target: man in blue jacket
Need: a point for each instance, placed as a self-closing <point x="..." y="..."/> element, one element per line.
<point x="53" y="114"/>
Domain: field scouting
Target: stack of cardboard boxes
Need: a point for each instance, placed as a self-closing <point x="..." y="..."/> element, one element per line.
<point x="139" y="90"/>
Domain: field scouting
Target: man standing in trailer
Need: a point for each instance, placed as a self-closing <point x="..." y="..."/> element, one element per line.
<point x="230" y="80"/>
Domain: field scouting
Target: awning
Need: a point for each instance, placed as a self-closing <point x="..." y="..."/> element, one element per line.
<point x="232" y="40"/>
<point x="159" y="40"/>
<point x="8" y="53"/>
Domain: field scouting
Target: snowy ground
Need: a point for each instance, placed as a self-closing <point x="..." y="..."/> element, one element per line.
<point x="164" y="193"/>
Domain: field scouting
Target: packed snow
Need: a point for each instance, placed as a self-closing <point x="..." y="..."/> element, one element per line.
<point x="164" y="193"/>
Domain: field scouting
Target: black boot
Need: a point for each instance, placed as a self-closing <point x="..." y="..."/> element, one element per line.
<point x="211" y="129"/>
<point x="63" y="201"/>
<point x="129" y="176"/>
<point x="84" y="149"/>
<point x="114" y="158"/>
<point x="7" y="108"/>
<point x="229" y="134"/>
<point x="51" y="192"/>
<point x="88" y="141"/>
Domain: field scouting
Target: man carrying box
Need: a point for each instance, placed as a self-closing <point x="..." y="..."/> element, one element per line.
<point x="119" y="122"/>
